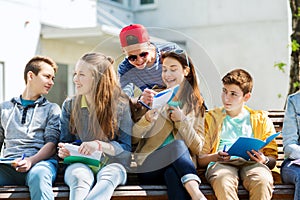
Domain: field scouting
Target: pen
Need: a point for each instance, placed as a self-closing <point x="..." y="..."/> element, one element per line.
<point x="145" y="105"/>
<point x="23" y="156"/>
<point x="161" y="93"/>
<point x="224" y="149"/>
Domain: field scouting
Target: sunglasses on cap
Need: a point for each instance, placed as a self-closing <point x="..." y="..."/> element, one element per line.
<point x="133" y="58"/>
<point x="181" y="51"/>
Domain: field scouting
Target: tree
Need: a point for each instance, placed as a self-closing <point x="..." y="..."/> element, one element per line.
<point x="295" y="41"/>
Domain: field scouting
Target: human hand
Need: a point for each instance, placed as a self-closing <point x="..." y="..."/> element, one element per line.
<point x="176" y="114"/>
<point x="22" y="165"/>
<point x="151" y="115"/>
<point x="147" y="96"/>
<point x="87" y="148"/>
<point x="222" y="156"/>
<point x="62" y="151"/>
<point x="257" y="156"/>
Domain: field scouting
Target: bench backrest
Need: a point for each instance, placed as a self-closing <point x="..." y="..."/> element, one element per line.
<point x="277" y="119"/>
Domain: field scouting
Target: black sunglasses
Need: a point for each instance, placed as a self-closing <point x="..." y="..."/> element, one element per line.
<point x="133" y="58"/>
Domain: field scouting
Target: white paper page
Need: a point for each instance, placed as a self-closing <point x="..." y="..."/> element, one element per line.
<point x="74" y="152"/>
<point x="163" y="97"/>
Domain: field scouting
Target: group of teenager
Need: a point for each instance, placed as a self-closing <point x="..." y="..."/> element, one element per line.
<point x="168" y="144"/>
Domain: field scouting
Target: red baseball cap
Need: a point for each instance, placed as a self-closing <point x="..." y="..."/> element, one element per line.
<point x="133" y="34"/>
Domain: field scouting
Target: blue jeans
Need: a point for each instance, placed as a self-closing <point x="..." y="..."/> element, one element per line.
<point x="81" y="181"/>
<point x="39" y="178"/>
<point x="291" y="174"/>
<point x="173" y="175"/>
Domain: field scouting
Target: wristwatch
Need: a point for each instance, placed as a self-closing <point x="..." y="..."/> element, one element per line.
<point x="267" y="160"/>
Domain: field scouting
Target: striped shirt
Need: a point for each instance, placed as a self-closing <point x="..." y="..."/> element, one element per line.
<point x="148" y="77"/>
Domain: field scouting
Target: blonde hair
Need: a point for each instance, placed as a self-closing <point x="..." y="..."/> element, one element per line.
<point x="106" y="92"/>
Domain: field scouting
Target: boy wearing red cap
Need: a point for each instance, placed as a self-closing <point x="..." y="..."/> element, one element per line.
<point x="142" y="65"/>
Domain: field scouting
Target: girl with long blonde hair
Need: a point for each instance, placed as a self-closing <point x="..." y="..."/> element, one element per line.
<point x="97" y="118"/>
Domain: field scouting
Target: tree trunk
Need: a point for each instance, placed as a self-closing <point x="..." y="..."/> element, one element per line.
<point x="294" y="70"/>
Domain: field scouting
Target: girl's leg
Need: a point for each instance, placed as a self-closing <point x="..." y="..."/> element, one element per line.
<point x="108" y="179"/>
<point x="186" y="170"/>
<point x="291" y="174"/>
<point x="192" y="187"/>
<point x="175" y="188"/>
<point x="80" y="178"/>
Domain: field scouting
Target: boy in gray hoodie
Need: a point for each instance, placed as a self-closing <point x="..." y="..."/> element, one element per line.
<point x="29" y="132"/>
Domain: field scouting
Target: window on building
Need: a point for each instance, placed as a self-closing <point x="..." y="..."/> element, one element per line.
<point x="134" y="5"/>
<point x="118" y="1"/>
<point x="2" y="83"/>
<point x="143" y="2"/>
<point x="145" y="5"/>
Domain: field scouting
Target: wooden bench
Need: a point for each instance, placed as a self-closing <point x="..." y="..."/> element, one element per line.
<point x="133" y="191"/>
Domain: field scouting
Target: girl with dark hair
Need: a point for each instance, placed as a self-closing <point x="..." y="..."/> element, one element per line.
<point x="170" y="136"/>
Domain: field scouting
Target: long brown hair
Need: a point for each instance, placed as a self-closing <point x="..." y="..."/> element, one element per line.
<point x="191" y="92"/>
<point x="106" y="92"/>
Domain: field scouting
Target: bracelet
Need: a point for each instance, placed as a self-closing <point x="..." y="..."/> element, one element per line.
<point x="99" y="145"/>
<point x="267" y="160"/>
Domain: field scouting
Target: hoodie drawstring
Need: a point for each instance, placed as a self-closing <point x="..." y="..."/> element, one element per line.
<point x="10" y="117"/>
<point x="32" y="118"/>
<point x="25" y="112"/>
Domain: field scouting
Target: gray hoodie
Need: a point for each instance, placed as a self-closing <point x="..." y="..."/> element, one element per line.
<point x="28" y="129"/>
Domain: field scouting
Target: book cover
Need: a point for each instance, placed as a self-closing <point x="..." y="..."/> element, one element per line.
<point x="75" y="156"/>
<point x="244" y="144"/>
<point x="164" y="97"/>
<point x="7" y="160"/>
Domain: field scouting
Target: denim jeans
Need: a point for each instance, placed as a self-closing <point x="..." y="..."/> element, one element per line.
<point x="291" y="174"/>
<point x="175" y="174"/>
<point x="39" y="178"/>
<point x="81" y="181"/>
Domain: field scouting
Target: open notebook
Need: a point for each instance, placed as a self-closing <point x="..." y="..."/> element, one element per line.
<point x="164" y="97"/>
<point x="75" y="156"/>
<point x="244" y="144"/>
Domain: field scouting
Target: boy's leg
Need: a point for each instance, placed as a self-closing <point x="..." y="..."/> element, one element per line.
<point x="291" y="174"/>
<point x="258" y="180"/>
<point x="80" y="179"/>
<point x="9" y="176"/>
<point x="40" y="178"/>
<point x="224" y="180"/>
<point x="108" y="179"/>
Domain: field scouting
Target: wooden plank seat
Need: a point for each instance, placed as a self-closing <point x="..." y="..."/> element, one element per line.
<point x="134" y="191"/>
